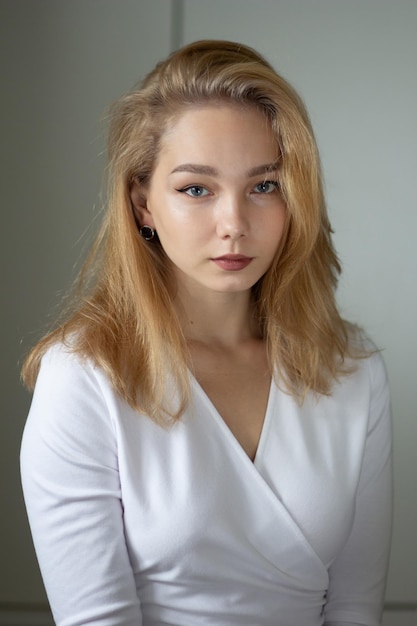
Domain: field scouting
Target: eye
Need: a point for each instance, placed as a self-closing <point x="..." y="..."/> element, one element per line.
<point x="195" y="191"/>
<point x="266" y="186"/>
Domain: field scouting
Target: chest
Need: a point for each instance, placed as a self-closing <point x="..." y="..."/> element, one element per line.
<point x="239" y="390"/>
<point x="196" y="489"/>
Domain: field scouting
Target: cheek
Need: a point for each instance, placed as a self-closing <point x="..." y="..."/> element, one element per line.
<point x="277" y="232"/>
<point x="274" y="224"/>
<point x="179" y="233"/>
<point x="181" y="224"/>
<point x="175" y="231"/>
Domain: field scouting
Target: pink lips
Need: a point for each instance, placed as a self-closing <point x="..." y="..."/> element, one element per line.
<point x="232" y="262"/>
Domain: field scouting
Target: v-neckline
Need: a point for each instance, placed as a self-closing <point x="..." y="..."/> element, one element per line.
<point x="228" y="432"/>
<point x="252" y="474"/>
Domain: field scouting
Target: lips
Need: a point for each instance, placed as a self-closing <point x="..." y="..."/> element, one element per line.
<point x="232" y="262"/>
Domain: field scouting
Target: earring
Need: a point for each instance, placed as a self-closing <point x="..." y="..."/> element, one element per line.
<point x="147" y="232"/>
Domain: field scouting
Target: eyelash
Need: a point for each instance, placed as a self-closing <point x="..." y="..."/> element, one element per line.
<point x="185" y="190"/>
<point x="274" y="183"/>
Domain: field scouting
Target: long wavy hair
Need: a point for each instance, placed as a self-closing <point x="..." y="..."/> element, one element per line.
<point x="123" y="317"/>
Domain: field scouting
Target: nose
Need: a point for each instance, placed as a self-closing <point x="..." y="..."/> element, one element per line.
<point x="232" y="220"/>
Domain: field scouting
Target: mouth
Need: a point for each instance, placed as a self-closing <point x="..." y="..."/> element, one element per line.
<point x="232" y="262"/>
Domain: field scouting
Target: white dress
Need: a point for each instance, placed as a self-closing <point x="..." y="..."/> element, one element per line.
<point x="134" y="524"/>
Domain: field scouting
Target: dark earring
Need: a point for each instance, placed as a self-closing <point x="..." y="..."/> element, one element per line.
<point x="147" y="232"/>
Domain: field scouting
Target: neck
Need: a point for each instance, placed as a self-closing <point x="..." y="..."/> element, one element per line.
<point x="220" y="319"/>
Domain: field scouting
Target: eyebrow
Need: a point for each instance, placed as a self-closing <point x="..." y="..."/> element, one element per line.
<point x="267" y="168"/>
<point x="207" y="170"/>
<point x="196" y="169"/>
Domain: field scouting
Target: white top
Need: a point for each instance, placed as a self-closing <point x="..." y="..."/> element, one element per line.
<point x="137" y="525"/>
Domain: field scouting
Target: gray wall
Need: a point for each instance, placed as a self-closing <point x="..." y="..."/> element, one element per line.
<point x="353" y="62"/>
<point x="63" y="63"/>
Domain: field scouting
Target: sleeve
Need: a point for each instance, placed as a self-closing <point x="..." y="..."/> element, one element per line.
<point x="358" y="575"/>
<point x="71" y="487"/>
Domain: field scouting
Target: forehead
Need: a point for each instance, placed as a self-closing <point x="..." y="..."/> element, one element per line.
<point x="219" y="129"/>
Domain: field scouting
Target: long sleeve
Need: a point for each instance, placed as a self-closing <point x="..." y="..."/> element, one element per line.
<point x="72" y="491"/>
<point x="357" y="576"/>
<point x="136" y="524"/>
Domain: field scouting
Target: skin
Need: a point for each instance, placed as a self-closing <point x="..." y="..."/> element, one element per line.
<point x="215" y="203"/>
<point x="211" y="194"/>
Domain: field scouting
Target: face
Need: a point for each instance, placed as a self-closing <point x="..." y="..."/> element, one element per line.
<point x="214" y="198"/>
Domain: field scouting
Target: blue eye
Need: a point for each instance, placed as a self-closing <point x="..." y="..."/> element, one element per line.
<point x="195" y="191"/>
<point x="266" y="186"/>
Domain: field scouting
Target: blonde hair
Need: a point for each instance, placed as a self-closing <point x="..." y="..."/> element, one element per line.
<point x="123" y="317"/>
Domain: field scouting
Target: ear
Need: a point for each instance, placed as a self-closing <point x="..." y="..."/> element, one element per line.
<point x="138" y="198"/>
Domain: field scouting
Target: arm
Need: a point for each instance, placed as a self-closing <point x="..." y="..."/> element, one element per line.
<point x="358" y="575"/>
<point x="71" y="486"/>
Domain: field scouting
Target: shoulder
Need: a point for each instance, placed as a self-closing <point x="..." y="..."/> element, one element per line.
<point x="70" y="392"/>
<point x="62" y="367"/>
<point x="366" y="387"/>
<point x="71" y="417"/>
<point x="64" y="355"/>
<point x="368" y="361"/>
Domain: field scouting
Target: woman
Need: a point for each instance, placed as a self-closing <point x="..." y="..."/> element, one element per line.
<point x="209" y="442"/>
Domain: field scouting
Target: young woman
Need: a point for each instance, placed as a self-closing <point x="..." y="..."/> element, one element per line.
<point x="209" y="442"/>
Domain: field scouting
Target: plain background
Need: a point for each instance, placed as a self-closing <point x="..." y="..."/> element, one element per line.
<point x="62" y="63"/>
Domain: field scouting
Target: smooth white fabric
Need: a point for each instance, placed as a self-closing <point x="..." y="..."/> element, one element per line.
<point x="137" y="525"/>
